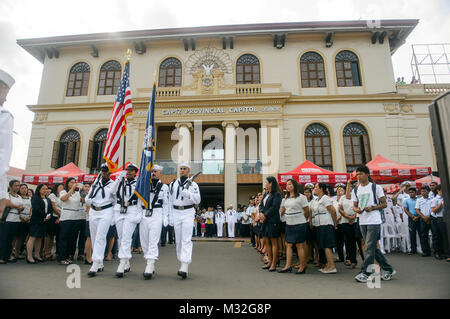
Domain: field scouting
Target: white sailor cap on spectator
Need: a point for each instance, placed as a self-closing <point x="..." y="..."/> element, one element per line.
<point x="6" y="78"/>
<point x="184" y="164"/>
<point x="408" y="183"/>
<point x="309" y="185"/>
<point x="231" y="205"/>
<point x="157" y="168"/>
<point x="340" y="185"/>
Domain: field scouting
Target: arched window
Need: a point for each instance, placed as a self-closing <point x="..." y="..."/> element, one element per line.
<point x="78" y="80"/>
<point x="347" y="69"/>
<point x="170" y="72"/>
<point x="312" y="70"/>
<point x="356" y="145"/>
<point x="109" y="80"/>
<point x="318" y="146"/>
<point x="247" y="70"/>
<point x="95" y="154"/>
<point x="67" y="149"/>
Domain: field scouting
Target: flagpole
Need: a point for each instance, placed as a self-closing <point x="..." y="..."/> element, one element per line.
<point x="127" y="55"/>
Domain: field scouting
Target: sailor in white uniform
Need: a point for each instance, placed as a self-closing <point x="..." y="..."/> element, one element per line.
<point x="184" y="194"/>
<point x="220" y="219"/>
<point x="101" y="198"/>
<point x="126" y="215"/>
<point x="153" y="220"/>
<point x="6" y="137"/>
<point x="230" y="218"/>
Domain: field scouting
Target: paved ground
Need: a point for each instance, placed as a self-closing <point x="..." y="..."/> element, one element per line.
<point x="224" y="270"/>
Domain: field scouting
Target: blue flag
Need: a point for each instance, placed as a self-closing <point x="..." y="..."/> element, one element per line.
<point x="144" y="182"/>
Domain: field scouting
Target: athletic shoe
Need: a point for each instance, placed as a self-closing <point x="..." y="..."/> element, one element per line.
<point x="387" y="275"/>
<point x="361" y="277"/>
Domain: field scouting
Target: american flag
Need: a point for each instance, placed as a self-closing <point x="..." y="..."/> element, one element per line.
<point x="118" y="125"/>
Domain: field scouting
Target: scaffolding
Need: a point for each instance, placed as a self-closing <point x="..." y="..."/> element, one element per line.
<point x="430" y="63"/>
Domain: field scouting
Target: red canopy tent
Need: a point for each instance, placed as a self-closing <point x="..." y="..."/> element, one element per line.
<point x="308" y="172"/>
<point x="384" y="171"/>
<point x="394" y="188"/>
<point x="57" y="176"/>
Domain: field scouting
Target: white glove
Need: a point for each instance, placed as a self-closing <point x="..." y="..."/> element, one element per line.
<point x="186" y="194"/>
<point x="165" y="220"/>
<point x="122" y="174"/>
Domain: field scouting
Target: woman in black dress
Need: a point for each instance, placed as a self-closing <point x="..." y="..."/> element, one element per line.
<point x="270" y="217"/>
<point x="41" y="210"/>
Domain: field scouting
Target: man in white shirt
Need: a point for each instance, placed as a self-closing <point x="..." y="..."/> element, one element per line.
<point x="6" y="138"/>
<point x="402" y="194"/>
<point x="368" y="199"/>
<point x="101" y="198"/>
<point x="220" y="219"/>
<point x="423" y="209"/>
<point x="438" y="227"/>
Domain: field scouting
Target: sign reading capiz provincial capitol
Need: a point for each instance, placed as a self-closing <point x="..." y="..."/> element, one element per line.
<point x="322" y="91"/>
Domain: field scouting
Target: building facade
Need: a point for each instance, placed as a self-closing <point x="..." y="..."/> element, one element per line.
<point x="241" y="102"/>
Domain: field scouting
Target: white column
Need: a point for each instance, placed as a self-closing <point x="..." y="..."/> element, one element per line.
<point x="230" y="163"/>
<point x="184" y="141"/>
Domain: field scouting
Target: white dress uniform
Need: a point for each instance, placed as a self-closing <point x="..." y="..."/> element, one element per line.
<point x="230" y="218"/>
<point x="151" y="224"/>
<point x="182" y="209"/>
<point x="101" y="198"/>
<point x="125" y="222"/>
<point x="6" y="138"/>
<point x="220" y="219"/>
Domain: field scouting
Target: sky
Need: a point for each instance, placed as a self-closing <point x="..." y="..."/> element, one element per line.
<point x="23" y="19"/>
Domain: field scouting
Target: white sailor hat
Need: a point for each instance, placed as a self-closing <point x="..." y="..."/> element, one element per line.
<point x="309" y="185"/>
<point x="406" y="183"/>
<point x="184" y="164"/>
<point x="6" y="78"/>
<point x="231" y="205"/>
<point x="157" y="168"/>
<point x="104" y="167"/>
<point x="340" y="185"/>
<point x="133" y="167"/>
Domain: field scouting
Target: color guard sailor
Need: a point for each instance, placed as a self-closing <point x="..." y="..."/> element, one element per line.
<point x="230" y="219"/>
<point x="184" y="194"/>
<point x="153" y="219"/>
<point x="101" y="198"/>
<point x="126" y="215"/>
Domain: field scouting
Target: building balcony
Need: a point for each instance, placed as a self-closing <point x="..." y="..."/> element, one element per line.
<point x="423" y="89"/>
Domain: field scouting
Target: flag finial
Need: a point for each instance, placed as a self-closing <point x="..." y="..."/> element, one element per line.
<point x="128" y="54"/>
<point x="154" y="76"/>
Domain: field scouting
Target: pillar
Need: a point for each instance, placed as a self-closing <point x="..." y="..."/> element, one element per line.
<point x="230" y="177"/>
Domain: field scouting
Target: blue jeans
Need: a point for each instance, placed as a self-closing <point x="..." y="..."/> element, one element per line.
<point x="371" y="235"/>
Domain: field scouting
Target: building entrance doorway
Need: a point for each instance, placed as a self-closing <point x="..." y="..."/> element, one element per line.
<point x="212" y="195"/>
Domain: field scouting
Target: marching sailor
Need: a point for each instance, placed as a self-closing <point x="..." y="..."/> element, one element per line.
<point x="184" y="194"/>
<point x="6" y="136"/>
<point x="101" y="198"/>
<point x="220" y="219"/>
<point x="230" y="219"/>
<point x="153" y="220"/>
<point x="126" y="215"/>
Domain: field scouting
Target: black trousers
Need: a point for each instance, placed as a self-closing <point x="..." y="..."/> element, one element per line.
<point x="169" y="229"/>
<point x="440" y="237"/>
<point x="339" y="236"/>
<point x="414" y="228"/>
<point x="237" y="229"/>
<point x="350" y="241"/>
<point x="209" y="230"/>
<point x="245" y="230"/>
<point x="7" y="232"/>
<point x="252" y="235"/>
<point x="69" y="230"/>
<point x="424" y="238"/>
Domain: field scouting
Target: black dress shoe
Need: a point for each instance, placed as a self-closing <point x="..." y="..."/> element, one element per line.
<point x="119" y="274"/>
<point x="92" y="273"/>
<point x="14" y="260"/>
<point x="301" y="272"/>
<point x="148" y="276"/>
<point x="163" y="245"/>
<point x="182" y="274"/>
<point x="426" y="255"/>
<point x="127" y="270"/>
<point x="87" y="262"/>
<point x="272" y="270"/>
<point x="437" y="256"/>
<point x="31" y="262"/>
<point x="281" y="271"/>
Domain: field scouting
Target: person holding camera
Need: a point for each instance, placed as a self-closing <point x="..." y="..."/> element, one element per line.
<point x="71" y="221"/>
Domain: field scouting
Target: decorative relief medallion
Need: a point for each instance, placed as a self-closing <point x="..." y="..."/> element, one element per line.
<point x="208" y="67"/>
<point x="40" y="116"/>
<point x="406" y="108"/>
<point x="391" y="108"/>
